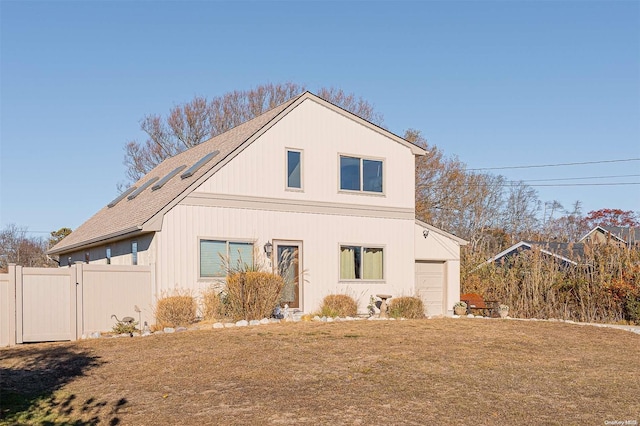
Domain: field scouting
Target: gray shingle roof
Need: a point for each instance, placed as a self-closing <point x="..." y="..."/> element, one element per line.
<point x="130" y="215"/>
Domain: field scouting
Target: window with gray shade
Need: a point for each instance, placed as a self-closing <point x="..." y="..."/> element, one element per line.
<point x="358" y="174"/>
<point x="294" y="169"/>
<point x="213" y="254"/>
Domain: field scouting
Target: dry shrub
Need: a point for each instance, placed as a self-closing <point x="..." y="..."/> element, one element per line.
<point x="406" y="307"/>
<point x="252" y="294"/>
<point x="338" y="305"/>
<point x="177" y="308"/>
<point x="213" y="304"/>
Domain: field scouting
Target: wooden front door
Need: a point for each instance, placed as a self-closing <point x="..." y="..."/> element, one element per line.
<point x="289" y="266"/>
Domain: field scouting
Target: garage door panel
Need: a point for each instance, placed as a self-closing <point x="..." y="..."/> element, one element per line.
<point x="430" y="286"/>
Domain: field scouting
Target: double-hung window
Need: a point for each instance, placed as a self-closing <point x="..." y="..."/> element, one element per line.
<point x="361" y="174"/>
<point x="294" y="169"/>
<point x="215" y="253"/>
<point x="361" y="263"/>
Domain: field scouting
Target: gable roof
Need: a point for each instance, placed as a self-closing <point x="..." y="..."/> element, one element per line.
<point x="565" y="252"/>
<point x="141" y="209"/>
<point x="623" y="234"/>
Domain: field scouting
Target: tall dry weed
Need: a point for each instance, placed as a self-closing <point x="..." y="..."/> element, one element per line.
<point x="603" y="287"/>
<point x="252" y="294"/>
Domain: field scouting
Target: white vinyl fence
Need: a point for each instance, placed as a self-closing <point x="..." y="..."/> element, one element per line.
<point x="47" y="304"/>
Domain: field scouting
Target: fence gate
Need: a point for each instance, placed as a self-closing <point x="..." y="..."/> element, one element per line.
<point x="46" y="305"/>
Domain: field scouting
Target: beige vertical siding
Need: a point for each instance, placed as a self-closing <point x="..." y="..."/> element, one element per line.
<point x="115" y="290"/>
<point x="322" y="135"/>
<point x="46" y="304"/>
<point x="321" y="235"/>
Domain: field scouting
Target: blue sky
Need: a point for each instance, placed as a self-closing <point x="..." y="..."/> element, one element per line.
<point x="495" y="83"/>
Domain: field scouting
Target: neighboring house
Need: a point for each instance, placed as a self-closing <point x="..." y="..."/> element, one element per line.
<point x="306" y="178"/>
<point x="566" y="253"/>
<point x="625" y="236"/>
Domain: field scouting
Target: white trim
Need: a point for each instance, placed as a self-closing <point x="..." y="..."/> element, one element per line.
<point x="207" y="199"/>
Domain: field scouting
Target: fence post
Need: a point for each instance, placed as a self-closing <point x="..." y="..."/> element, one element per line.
<point x="19" y="303"/>
<point x="79" y="271"/>
<point x="73" y="305"/>
<point x="13" y="302"/>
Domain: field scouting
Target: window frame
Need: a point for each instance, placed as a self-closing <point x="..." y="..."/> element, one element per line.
<point x="227" y="242"/>
<point x="286" y="169"/>
<point x="361" y="189"/>
<point x="362" y="248"/>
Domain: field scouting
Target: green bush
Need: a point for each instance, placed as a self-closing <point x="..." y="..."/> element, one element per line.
<point x="406" y="307"/>
<point x="176" y="309"/>
<point x="126" y="327"/>
<point x="338" y="305"/>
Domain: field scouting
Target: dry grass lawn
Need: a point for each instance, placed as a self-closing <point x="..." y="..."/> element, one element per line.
<point x="445" y="371"/>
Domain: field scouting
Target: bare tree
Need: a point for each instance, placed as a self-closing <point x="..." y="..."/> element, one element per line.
<point x="449" y="197"/>
<point x="198" y="120"/>
<point x="16" y="247"/>
<point x="521" y="211"/>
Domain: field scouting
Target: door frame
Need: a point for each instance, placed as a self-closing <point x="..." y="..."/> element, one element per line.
<point x="299" y="245"/>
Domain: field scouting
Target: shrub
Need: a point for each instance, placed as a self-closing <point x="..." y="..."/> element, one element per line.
<point x="252" y="294"/>
<point x="125" y="327"/>
<point x="176" y="309"/>
<point x="338" y="305"/>
<point x="213" y="304"/>
<point x="406" y="307"/>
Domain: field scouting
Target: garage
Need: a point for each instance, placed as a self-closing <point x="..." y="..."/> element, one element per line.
<point x="431" y="286"/>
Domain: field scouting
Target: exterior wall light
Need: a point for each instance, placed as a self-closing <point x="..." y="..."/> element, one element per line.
<point x="268" y="249"/>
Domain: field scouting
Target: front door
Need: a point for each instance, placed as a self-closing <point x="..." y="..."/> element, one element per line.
<point x="289" y="266"/>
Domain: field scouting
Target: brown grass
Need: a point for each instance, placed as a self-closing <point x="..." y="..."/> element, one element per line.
<point x="415" y="372"/>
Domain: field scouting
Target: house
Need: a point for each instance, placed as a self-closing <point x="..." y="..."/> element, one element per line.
<point x="565" y="253"/>
<point x="306" y="178"/>
<point x="621" y="235"/>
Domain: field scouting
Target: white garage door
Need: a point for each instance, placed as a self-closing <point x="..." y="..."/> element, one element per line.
<point x="430" y="286"/>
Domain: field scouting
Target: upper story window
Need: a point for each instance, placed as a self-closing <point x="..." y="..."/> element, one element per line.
<point x="361" y="174"/>
<point x="294" y="169"/>
<point x="214" y="252"/>
<point x="108" y="255"/>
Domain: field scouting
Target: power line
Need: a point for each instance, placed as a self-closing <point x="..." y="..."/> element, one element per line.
<point x="556" y="165"/>
<point x="588" y="184"/>
<point x="579" y="178"/>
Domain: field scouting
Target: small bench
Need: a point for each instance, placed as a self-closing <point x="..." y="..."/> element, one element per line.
<point x="476" y="303"/>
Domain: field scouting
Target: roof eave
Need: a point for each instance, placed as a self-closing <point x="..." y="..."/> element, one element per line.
<point x="116" y="236"/>
<point x="441" y="232"/>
